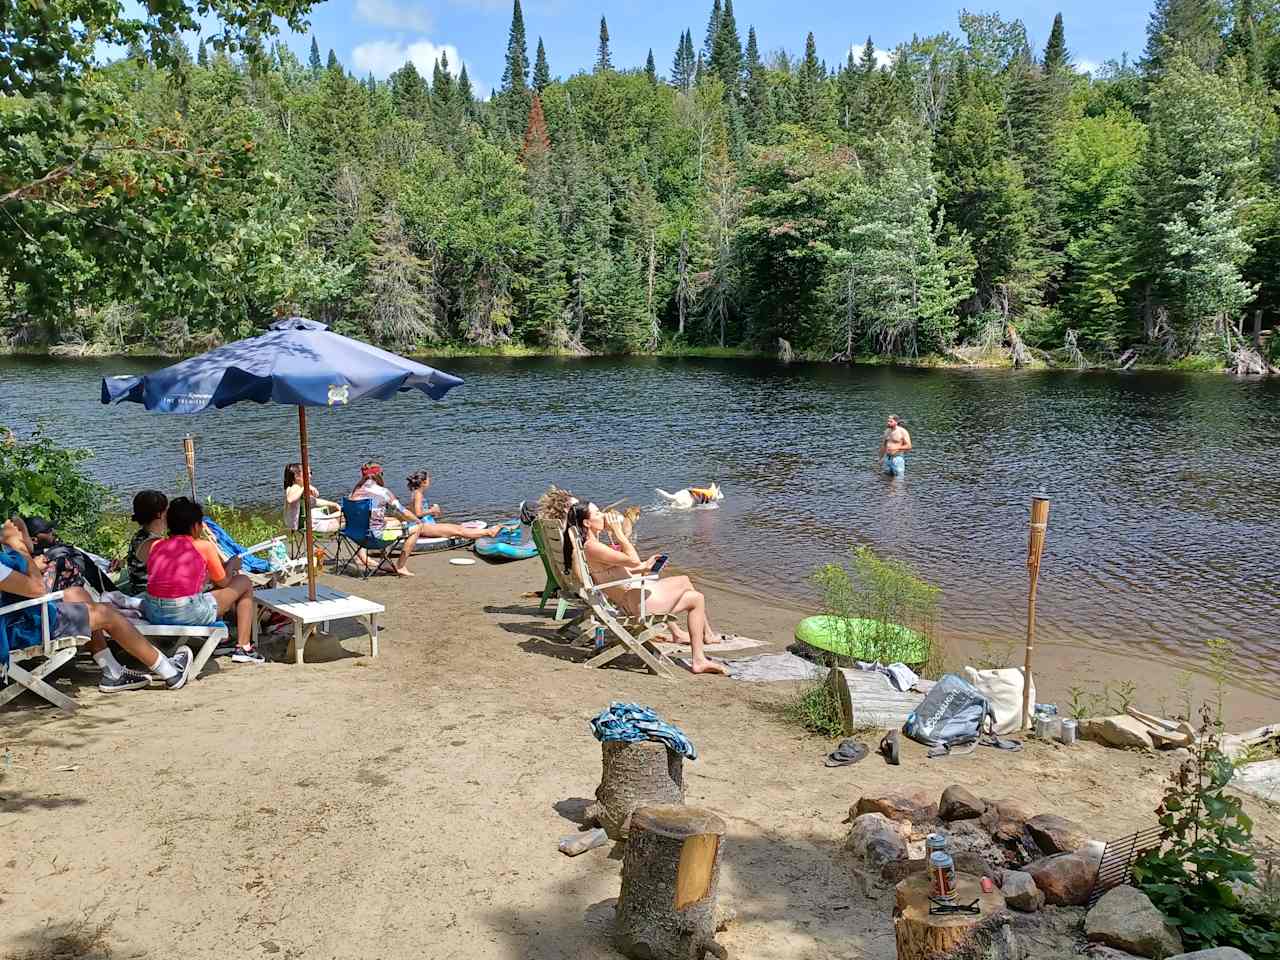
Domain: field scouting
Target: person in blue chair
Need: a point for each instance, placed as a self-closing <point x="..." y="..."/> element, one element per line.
<point x="373" y="487"/>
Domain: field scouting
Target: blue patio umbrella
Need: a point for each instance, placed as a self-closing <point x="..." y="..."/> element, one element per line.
<point x="298" y="362"/>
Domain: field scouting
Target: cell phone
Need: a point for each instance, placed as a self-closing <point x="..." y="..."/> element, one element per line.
<point x="659" y="562"/>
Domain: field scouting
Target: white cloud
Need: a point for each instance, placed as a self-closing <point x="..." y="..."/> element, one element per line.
<point x="389" y="13"/>
<point x="1086" y="66"/>
<point x="884" y="58"/>
<point x="383" y="57"/>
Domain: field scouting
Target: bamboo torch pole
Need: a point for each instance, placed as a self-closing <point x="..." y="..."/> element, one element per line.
<point x="1035" y="546"/>
<point x="189" y="450"/>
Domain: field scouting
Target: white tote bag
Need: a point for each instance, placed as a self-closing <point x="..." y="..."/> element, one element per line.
<point x="1003" y="688"/>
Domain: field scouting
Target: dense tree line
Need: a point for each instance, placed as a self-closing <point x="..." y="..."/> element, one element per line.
<point x="965" y="192"/>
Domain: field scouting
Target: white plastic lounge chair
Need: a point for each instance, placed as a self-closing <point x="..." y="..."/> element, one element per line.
<point x="55" y="652"/>
<point x="618" y="623"/>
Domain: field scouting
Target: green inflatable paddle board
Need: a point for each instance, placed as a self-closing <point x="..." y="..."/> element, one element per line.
<point x="849" y="639"/>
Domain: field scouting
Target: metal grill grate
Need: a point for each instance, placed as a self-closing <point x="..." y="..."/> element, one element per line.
<point x="1118" y="858"/>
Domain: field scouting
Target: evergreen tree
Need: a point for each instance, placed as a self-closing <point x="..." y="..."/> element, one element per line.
<point x="650" y="68"/>
<point x="713" y="30"/>
<point x="410" y="95"/>
<point x="1056" y="56"/>
<point x="333" y="64"/>
<point x="683" y="67"/>
<point x="537" y="142"/>
<point x="1243" y="42"/>
<point x="1192" y="26"/>
<point x="726" y="54"/>
<point x="810" y="79"/>
<point x="396" y="308"/>
<point x="541" y="72"/>
<point x="314" y="61"/>
<point x="1033" y="118"/>
<point x="442" y="89"/>
<point x="202" y="55"/>
<point x="516" y="73"/>
<point x="759" y="105"/>
<point x="465" y="95"/>
<point x="603" y="59"/>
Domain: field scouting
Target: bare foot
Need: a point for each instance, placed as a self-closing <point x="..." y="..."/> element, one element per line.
<point x="404" y="572"/>
<point x="708" y="666"/>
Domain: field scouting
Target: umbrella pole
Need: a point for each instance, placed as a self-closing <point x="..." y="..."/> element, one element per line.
<point x="306" y="502"/>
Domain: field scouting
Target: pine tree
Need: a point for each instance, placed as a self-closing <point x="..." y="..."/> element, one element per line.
<point x="465" y="96"/>
<point x="541" y="72"/>
<point x="516" y="73"/>
<point x="810" y="79"/>
<point x="759" y="106"/>
<point x="1243" y="41"/>
<point x="537" y="142"/>
<point x="1033" y="117"/>
<point x="442" y="92"/>
<point x="202" y="55"/>
<point x="651" y="69"/>
<point x="396" y="307"/>
<point x="314" y="61"/>
<point x="726" y="54"/>
<point x="603" y="60"/>
<point x="1056" y="56"/>
<point x="683" y="67"/>
<point x="333" y="63"/>
<point x="1193" y="26"/>
<point x="713" y="30"/>
<point x="410" y="95"/>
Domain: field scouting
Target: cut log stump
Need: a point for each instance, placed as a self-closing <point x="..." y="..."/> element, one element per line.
<point x="668" y="907"/>
<point x="633" y="775"/>
<point x="924" y="936"/>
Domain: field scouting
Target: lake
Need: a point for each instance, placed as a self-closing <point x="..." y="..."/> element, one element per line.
<point x="1165" y="488"/>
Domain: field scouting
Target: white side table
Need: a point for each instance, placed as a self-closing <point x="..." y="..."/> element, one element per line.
<point x="329" y="605"/>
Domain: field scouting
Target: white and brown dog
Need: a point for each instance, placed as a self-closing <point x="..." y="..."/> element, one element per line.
<point x="691" y="497"/>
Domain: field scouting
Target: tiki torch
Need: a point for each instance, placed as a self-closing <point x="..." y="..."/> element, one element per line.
<point x="189" y="449"/>
<point x="1035" y="546"/>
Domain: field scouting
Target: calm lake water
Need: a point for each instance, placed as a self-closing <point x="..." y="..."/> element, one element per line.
<point x="1165" y="488"/>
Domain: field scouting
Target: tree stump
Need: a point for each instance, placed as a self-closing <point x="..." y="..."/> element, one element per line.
<point x="668" y="909"/>
<point x="959" y="936"/>
<point x="634" y="775"/>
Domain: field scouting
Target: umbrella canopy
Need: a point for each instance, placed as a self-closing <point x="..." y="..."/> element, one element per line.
<point x="298" y="362"/>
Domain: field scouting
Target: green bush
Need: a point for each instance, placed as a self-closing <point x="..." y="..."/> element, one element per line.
<point x="38" y="478"/>
<point x="887" y="593"/>
<point x="817" y="711"/>
<point x="1204" y="860"/>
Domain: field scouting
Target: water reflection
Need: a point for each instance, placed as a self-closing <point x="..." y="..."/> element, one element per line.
<point x="1166" y="489"/>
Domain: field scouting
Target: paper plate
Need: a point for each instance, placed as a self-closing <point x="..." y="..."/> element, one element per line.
<point x="462" y="561"/>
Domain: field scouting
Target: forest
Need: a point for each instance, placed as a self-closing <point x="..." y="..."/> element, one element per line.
<point x="967" y="196"/>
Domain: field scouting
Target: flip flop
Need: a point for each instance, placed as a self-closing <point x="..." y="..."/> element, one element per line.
<point x="891" y="747"/>
<point x="846" y="754"/>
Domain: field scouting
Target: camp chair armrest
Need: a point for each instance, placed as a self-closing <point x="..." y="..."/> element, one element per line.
<point x="34" y="601"/>
<point x="261" y="547"/>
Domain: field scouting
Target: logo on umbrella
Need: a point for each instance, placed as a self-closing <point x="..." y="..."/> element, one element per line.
<point x="339" y="393"/>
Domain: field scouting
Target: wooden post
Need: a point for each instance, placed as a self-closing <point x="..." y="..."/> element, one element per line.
<point x="306" y="503"/>
<point x="668" y="908"/>
<point x="1257" y="329"/>
<point x="921" y="935"/>
<point x="189" y="451"/>
<point x="634" y="775"/>
<point x="1035" y="546"/>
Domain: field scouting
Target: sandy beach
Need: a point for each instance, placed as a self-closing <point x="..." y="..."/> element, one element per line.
<point x="409" y="806"/>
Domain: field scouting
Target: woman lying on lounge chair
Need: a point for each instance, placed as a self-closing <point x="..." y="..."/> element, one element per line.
<point x="670" y="595"/>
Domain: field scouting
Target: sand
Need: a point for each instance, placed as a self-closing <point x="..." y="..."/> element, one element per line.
<point x="409" y="806"/>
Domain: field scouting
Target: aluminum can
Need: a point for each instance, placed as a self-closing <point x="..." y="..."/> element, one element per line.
<point x="935" y="843"/>
<point x="942" y="874"/>
<point x="599" y="638"/>
<point x="1047" y="728"/>
<point x="1070" y="732"/>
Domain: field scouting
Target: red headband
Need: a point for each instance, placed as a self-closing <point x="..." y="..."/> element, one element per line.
<point x="370" y="471"/>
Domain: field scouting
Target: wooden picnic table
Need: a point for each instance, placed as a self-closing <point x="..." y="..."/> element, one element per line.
<point x="329" y="605"/>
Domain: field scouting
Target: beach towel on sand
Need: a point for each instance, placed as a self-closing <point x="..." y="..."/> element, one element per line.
<point x="632" y="723"/>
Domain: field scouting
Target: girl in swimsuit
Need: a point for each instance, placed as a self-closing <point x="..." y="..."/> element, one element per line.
<point x="670" y="595"/>
<point x="418" y="484"/>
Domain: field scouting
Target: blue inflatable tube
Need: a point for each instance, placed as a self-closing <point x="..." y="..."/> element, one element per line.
<point x="507" y="545"/>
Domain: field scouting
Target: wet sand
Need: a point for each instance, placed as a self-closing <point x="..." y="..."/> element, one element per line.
<point x="409" y="806"/>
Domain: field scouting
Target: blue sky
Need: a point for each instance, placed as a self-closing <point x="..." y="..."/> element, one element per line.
<point x="379" y="35"/>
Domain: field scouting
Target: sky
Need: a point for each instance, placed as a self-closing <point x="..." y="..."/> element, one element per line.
<point x="378" y="36"/>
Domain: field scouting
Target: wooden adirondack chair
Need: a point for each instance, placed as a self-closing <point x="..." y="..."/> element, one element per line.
<point x="624" y="633"/>
<point x="548" y="536"/>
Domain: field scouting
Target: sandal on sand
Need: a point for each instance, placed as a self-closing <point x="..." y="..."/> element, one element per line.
<point x="891" y="747"/>
<point x="846" y="754"/>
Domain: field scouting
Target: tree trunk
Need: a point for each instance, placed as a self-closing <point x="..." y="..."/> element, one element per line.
<point x="957" y="936"/>
<point x="633" y="775"/>
<point x="668" y="907"/>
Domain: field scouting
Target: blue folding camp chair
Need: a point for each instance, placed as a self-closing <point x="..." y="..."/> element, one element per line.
<point x="355" y="536"/>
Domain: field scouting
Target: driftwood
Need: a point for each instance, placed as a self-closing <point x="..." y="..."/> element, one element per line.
<point x="634" y="775"/>
<point x="924" y="936"/>
<point x="668" y="907"/>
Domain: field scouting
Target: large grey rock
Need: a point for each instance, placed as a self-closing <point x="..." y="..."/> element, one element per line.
<point x="1119" y="731"/>
<point x="1005" y="819"/>
<point x="1215" y="953"/>
<point x="957" y="803"/>
<point x="1021" y="892"/>
<point x="1054" y="834"/>
<point x="876" y="840"/>
<point x="914" y="807"/>
<point x="1067" y="878"/>
<point x="1125" y="918"/>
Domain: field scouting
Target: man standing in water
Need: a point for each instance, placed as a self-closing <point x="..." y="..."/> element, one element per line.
<point x="896" y="442"/>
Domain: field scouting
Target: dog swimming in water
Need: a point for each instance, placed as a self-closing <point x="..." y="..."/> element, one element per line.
<point x="691" y="497"/>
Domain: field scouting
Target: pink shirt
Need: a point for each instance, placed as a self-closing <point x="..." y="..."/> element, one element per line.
<point x="177" y="567"/>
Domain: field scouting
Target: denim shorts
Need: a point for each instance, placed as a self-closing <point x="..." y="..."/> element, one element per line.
<point x="895" y="465"/>
<point x="196" y="611"/>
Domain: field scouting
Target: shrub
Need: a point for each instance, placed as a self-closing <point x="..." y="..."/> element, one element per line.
<point x="1194" y="876"/>
<point x="41" y="479"/>
<point x="816" y="710"/>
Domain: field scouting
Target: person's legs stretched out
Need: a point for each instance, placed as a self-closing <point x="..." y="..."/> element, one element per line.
<point x="100" y="618"/>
